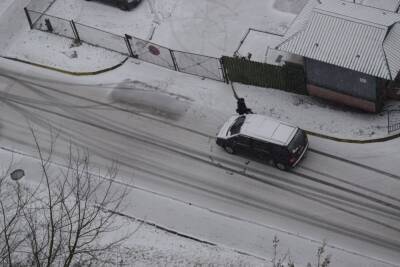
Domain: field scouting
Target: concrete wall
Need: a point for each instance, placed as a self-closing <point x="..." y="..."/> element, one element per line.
<point x="369" y="106"/>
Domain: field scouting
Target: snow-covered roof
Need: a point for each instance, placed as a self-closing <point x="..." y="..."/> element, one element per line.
<point x="268" y="129"/>
<point x="390" y="5"/>
<point x="301" y="21"/>
<point x="348" y="35"/>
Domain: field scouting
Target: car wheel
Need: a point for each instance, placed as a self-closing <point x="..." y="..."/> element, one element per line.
<point x="281" y="166"/>
<point x="229" y="149"/>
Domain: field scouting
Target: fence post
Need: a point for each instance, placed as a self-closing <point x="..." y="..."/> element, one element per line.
<point x="174" y="60"/>
<point x="48" y="25"/>
<point x="74" y="29"/>
<point x="128" y="45"/>
<point x="28" y="17"/>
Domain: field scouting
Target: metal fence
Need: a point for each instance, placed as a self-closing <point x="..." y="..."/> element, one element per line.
<point x="96" y="37"/>
<point x="52" y="24"/>
<point x="393" y="120"/>
<point x="289" y="77"/>
<point x="200" y="65"/>
<point x="40" y="7"/>
<point x="152" y="53"/>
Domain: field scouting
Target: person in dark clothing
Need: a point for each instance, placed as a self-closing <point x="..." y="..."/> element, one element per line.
<point x="242" y="108"/>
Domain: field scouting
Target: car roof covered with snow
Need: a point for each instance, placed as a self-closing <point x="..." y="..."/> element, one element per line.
<point x="262" y="128"/>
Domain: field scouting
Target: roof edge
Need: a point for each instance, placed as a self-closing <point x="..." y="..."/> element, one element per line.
<point x="386" y="60"/>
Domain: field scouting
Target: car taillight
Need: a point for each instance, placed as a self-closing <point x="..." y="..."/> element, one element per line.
<point x="292" y="160"/>
<point x="298" y="150"/>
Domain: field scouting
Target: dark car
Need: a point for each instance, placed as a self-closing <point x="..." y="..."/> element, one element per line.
<point x="123" y="4"/>
<point x="265" y="137"/>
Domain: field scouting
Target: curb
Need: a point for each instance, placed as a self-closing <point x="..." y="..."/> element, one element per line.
<point x="168" y="230"/>
<point x="354" y="141"/>
<point x="66" y="71"/>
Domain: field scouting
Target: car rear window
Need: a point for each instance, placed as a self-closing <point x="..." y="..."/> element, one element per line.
<point x="299" y="140"/>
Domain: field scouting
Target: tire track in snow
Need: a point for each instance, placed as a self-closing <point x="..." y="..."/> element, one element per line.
<point x="193" y="151"/>
<point x="232" y="163"/>
<point x="363" y="166"/>
<point x="339" y="197"/>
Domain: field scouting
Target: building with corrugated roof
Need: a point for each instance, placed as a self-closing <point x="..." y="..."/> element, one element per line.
<point x="350" y="50"/>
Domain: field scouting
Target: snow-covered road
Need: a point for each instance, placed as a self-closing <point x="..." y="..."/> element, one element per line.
<point x="356" y="207"/>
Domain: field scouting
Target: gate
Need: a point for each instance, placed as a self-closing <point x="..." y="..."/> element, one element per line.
<point x="393" y="120"/>
<point x="290" y="77"/>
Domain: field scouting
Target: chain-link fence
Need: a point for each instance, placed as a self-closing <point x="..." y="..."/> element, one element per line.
<point x="101" y="38"/>
<point x="190" y="63"/>
<point x="40" y="7"/>
<point x="393" y="121"/>
<point x="199" y="65"/>
<point x="52" y="24"/>
<point x="289" y="77"/>
<point x="152" y="53"/>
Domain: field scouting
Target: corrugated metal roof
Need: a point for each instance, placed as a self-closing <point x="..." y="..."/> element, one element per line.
<point x="343" y="34"/>
<point x="390" y="5"/>
<point x="391" y="46"/>
<point x="364" y="14"/>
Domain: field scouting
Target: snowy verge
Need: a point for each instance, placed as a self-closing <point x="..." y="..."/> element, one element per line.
<point x="316" y="115"/>
<point x="151" y="245"/>
<point x="54" y="51"/>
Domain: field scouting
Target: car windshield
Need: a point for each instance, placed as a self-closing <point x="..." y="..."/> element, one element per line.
<point x="237" y="125"/>
<point x="297" y="142"/>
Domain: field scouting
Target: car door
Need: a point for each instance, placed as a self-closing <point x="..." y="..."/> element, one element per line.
<point x="262" y="149"/>
<point x="242" y="144"/>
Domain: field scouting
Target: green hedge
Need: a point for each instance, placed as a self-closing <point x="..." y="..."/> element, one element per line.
<point x="290" y="77"/>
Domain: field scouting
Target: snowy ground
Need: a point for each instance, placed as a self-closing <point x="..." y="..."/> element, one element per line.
<point x="43" y="48"/>
<point x="4" y="4"/>
<point x="190" y="100"/>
